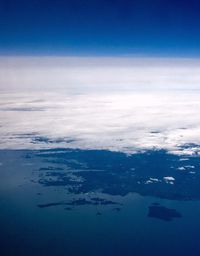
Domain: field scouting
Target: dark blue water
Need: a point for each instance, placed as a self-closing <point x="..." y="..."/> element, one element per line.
<point x="76" y="202"/>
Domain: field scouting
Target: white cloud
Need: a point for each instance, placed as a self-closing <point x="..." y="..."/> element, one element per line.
<point x="152" y="180"/>
<point x="169" y="180"/>
<point x="182" y="168"/>
<point x="117" y="104"/>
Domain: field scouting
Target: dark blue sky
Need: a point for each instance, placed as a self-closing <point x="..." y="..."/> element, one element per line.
<point x="100" y="27"/>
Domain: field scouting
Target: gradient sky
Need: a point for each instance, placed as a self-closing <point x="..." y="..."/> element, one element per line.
<point x="100" y="27"/>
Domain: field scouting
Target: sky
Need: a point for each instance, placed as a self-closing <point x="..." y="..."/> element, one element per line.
<point x="100" y="27"/>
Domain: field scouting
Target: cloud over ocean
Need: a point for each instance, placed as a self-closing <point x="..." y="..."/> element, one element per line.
<point x="121" y="104"/>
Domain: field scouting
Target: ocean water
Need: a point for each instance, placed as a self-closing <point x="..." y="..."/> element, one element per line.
<point x="99" y="174"/>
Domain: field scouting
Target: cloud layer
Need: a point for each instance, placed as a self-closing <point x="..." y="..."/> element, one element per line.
<point x="98" y="74"/>
<point x="121" y="122"/>
<point x="96" y="103"/>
